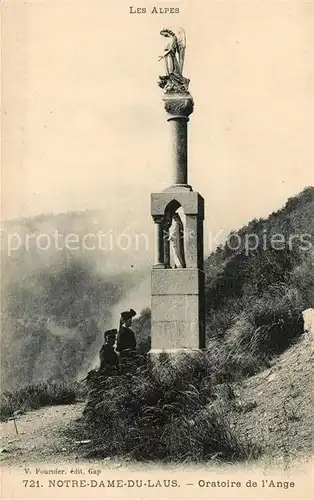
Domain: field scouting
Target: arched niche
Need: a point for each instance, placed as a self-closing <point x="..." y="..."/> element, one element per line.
<point x="172" y="207"/>
<point x="190" y="206"/>
<point x="174" y="235"/>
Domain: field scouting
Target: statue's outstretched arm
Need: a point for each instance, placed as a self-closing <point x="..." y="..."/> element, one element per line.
<point x="165" y="54"/>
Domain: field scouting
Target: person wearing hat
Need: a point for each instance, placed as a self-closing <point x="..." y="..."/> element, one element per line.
<point x="108" y="356"/>
<point x="126" y="338"/>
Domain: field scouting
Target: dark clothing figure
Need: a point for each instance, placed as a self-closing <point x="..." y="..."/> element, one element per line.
<point x="126" y="343"/>
<point x="108" y="356"/>
<point x="126" y="339"/>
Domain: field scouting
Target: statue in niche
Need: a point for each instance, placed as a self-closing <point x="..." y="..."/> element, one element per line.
<point x="166" y="231"/>
<point x="174" y="53"/>
<point x="176" y="238"/>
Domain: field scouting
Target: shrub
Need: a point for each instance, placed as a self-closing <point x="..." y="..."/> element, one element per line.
<point x="161" y="413"/>
<point x="276" y="322"/>
<point x="34" y="396"/>
<point x="142" y="329"/>
<point x="231" y="362"/>
<point x="266" y="327"/>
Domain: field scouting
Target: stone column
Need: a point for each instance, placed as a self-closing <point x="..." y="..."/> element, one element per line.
<point x="179" y="149"/>
<point x="178" y="108"/>
<point x="166" y="244"/>
<point x="159" y="242"/>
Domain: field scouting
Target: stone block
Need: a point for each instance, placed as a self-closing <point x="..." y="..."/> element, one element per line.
<point x="186" y="281"/>
<point x="175" y="307"/>
<point x="176" y="334"/>
<point x="177" y="304"/>
<point x="191" y="202"/>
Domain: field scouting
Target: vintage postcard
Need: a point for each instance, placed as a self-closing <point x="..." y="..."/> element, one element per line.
<point x="157" y="291"/>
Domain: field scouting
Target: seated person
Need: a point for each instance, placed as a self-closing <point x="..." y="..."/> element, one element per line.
<point x="108" y="356"/>
<point x="126" y="338"/>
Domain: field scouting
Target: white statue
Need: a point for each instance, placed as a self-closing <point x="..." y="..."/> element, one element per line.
<point x="176" y="237"/>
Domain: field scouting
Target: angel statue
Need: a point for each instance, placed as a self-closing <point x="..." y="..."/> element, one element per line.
<point x="174" y="54"/>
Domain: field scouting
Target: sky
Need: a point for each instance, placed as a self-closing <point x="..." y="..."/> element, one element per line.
<point x="83" y="124"/>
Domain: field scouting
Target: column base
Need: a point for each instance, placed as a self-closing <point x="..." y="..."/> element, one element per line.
<point x="178" y="187"/>
<point x="179" y="360"/>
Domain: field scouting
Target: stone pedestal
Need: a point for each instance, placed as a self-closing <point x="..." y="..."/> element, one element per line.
<point x="177" y="295"/>
<point x="177" y="305"/>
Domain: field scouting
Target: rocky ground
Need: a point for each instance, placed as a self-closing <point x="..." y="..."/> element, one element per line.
<point x="274" y="409"/>
<point x="40" y="437"/>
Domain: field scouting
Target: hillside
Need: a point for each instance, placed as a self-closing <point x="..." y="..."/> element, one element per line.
<point x="59" y="294"/>
<point x="275" y="407"/>
<point x="265" y="253"/>
<point x="55" y="304"/>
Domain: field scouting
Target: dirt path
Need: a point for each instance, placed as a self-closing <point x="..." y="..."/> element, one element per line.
<point x="40" y="437"/>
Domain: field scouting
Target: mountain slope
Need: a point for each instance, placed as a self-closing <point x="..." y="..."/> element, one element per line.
<point x="263" y="262"/>
<point x="275" y="407"/>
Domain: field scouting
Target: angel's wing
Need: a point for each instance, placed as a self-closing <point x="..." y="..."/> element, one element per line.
<point x="181" y="40"/>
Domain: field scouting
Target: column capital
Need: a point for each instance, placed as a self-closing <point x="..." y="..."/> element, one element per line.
<point x="178" y="105"/>
<point x="158" y="219"/>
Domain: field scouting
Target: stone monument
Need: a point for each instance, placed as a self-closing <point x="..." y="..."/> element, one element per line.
<point x="177" y="279"/>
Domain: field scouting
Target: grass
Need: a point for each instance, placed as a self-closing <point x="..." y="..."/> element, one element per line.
<point x="168" y="413"/>
<point x="34" y="396"/>
<point x="267" y="327"/>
